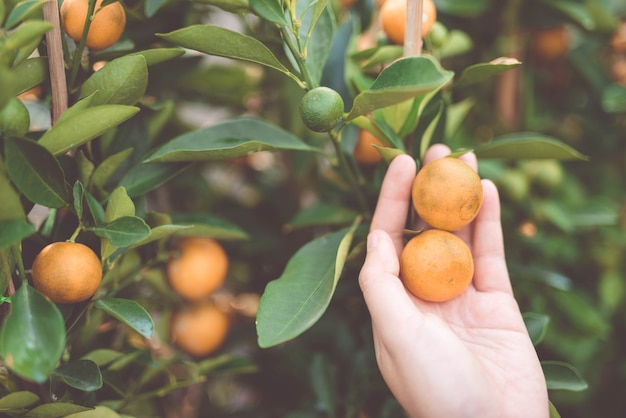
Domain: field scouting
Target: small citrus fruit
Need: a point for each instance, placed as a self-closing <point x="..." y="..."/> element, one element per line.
<point x="106" y="27"/>
<point x="550" y="44"/>
<point x="321" y="109"/>
<point x="436" y="266"/>
<point x="199" y="269"/>
<point x="447" y="194"/>
<point x="393" y="18"/>
<point x="364" y="151"/>
<point x="67" y="272"/>
<point x="618" y="40"/>
<point x="199" y="330"/>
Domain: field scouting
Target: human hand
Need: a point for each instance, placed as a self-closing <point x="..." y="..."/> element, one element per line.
<point x="470" y="356"/>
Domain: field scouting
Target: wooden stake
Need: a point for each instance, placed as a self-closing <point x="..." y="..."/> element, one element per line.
<point x="56" y="66"/>
<point x="413" y="28"/>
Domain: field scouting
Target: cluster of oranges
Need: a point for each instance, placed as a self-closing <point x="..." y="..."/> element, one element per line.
<point x="436" y="265"/>
<point x="106" y="28"/>
<point x="197" y="270"/>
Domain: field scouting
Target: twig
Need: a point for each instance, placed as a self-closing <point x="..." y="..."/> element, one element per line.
<point x="413" y="28"/>
<point x="56" y="65"/>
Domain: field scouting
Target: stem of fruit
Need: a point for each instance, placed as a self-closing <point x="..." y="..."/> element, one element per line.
<point x="78" y="53"/>
<point x="298" y="54"/>
<point x="348" y="172"/>
<point x="76" y="232"/>
<point x="413" y="28"/>
<point x="56" y="65"/>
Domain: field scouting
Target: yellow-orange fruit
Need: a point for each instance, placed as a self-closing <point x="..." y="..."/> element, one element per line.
<point x="106" y="27"/>
<point x="618" y="40"/>
<point x="393" y="18"/>
<point x="364" y="150"/>
<point x="447" y="194"/>
<point x="550" y="44"/>
<point x="67" y="272"/>
<point x="436" y="266"/>
<point x="199" y="330"/>
<point x="199" y="268"/>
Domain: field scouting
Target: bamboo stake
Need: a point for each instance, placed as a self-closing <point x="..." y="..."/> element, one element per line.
<point x="413" y="28"/>
<point x="56" y="66"/>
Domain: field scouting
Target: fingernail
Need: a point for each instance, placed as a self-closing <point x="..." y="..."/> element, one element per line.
<point x="372" y="240"/>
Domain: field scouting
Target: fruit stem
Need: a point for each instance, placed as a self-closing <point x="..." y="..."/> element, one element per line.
<point x="298" y="54"/>
<point x="20" y="263"/>
<point x="56" y="67"/>
<point x="78" y="53"/>
<point x="348" y="172"/>
<point x="413" y="28"/>
<point x="77" y="231"/>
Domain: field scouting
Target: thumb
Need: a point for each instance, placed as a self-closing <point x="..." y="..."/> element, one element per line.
<point x="383" y="291"/>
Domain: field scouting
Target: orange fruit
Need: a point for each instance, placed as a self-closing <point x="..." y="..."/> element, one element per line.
<point x="436" y="266"/>
<point x="106" y="28"/>
<point x="618" y="40"/>
<point x="550" y="44"/>
<point x="199" y="330"/>
<point x="67" y="272"/>
<point x="393" y="18"/>
<point x="199" y="269"/>
<point x="447" y="194"/>
<point x="364" y="151"/>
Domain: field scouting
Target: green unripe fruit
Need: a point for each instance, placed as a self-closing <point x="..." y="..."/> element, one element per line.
<point x="321" y="109"/>
<point x="545" y="174"/>
<point x="514" y="185"/>
<point x="14" y="118"/>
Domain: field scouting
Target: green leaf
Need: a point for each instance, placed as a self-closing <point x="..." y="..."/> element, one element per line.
<point x="122" y="81"/>
<point x="14" y="231"/>
<point x="463" y="8"/>
<point x="130" y="313"/>
<point x="32" y="338"/>
<point x="215" y="40"/>
<point x="84" y="126"/>
<point x="233" y="138"/>
<point x="270" y="10"/>
<point x="478" y="73"/>
<point x="36" y="172"/>
<point x="207" y="225"/>
<point x="81" y="374"/>
<point x="563" y="376"/>
<point x="25" y="35"/>
<point x="323" y="384"/>
<point x="22" y="11"/>
<point x="537" y="326"/>
<point x="119" y="205"/>
<point x="78" y="192"/>
<point x="322" y="214"/>
<point x="553" y="412"/>
<point x="27" y="74"/>
<point x="614" y="98"/>
<point x="20" y="399"/>
<point x="295" y="301"/>
<point x="56" y="410"/>
<point x="527" y="145"/>
<point x="96" y="412"/>
<point x="374" y="57"/>
<point x="402" y="80"/>
<point x="102" y="356"/>
<point x="577" y="11"/>
<point x="124" y="231"/>
<point x="227" y="363"/>
<point x="142" y="178"/>
<point x="10" y="205"/>
<point x="95" y="208"/>
<point x="162" y="231"/>
<point x="158" y="55"/>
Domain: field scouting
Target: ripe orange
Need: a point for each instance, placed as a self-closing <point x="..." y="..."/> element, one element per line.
<point x="364" y="151"/>
<point x="199" y="269"/>
<point x="447" y="194"/>
<point x="106" y="27"/>
<point x="436" y="266"/>
<point x="393" y="18"/>
<point x="199" y="330"/>
<point x="550" y="44"/>
<point x="67" y="272"/>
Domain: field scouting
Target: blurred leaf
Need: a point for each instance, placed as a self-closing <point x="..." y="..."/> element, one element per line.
<point x="158" y="55"/>
<point x="553" y="412"/>
<point x="322" y="214"/>
<point x="597" y="212"/>
<point x="295" y="301"/>
<point x="230" y="139"/>
<point x="226" y="363"/>
<point x="463" y="8"/>
<point x="102" y="356"/>
<point x="26" y="34"/>
<point x="143" y="178"/>
<point x="84" y="126"/>
<point x="270" y="10"/>
<point x="577" y="11"/>
<point x="457" y="42"/>
<point x="614" y="98"/>
<point x="81" y="374"/>
<point x="10" y="204"/>
<point x="233" y="6"/>
<point x="130" y="313"/>
<point x="455" y="115"/>
<point x="22" y="11"/>
<point x="374" y="57"/>
<point x="161" y="232"/>
<point x="20" y="399"/>
<point x="124" y="231"/>
<point x="537" y="326"/>
<point x="400" y="81"/>
<point x="96" y="412"/>
<point x="580" y="312"/>
<point x="103" y="172"/>
<point x="478" y="73"/>
<point x="207" y="225"/>
<point x="122" y="81"/>
<point x="55" y="410"/>
<point x="32" y="338"/>
<point x="527" y="145"/>
<point x="152" y="6"/>
<point x="563" y="376"/>
<point x="323" y="383"/>
<point x="214" y="40"/>
<point x="36" y="172"/>
<point x="14" y="231"/>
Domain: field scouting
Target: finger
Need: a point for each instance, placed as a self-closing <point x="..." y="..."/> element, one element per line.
<point x="435" y="152"/>
<point x="490" y="271"/>
<point x="383" y="291"/>
<point x="393" y="201"/>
